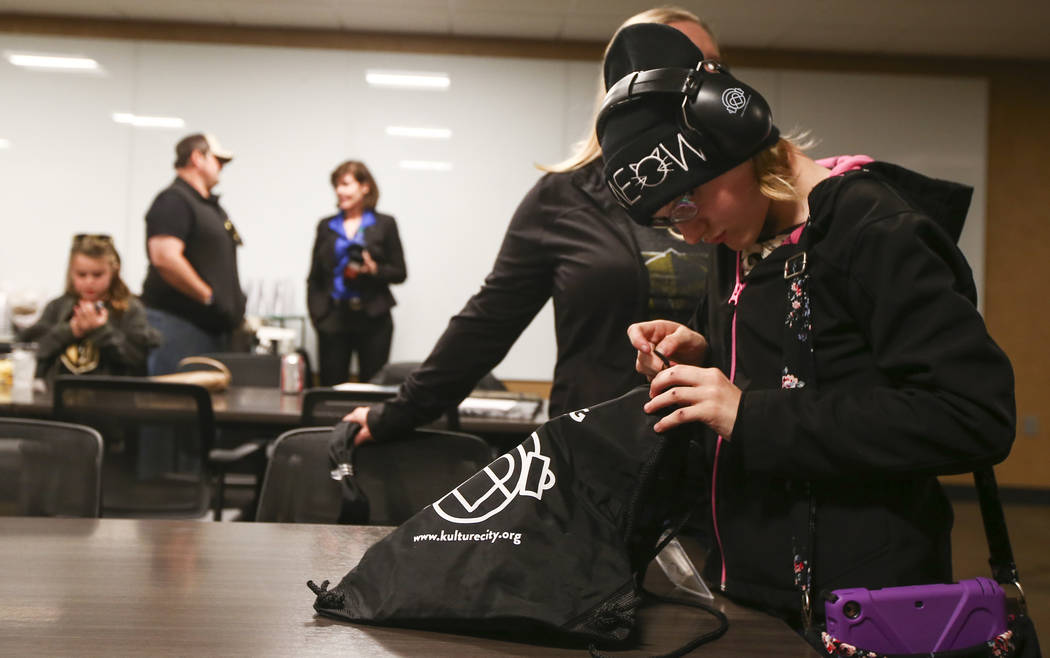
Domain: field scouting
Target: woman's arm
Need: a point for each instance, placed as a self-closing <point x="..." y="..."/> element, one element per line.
<point x="481" y="334"/>
<point x="52" y="332"/>
<point x="125" y="342"/>
<point x="318" y="281"/>
<point x="392" y="269"/>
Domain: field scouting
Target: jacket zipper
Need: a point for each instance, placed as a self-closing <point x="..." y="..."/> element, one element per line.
<point x="733" y="300"/>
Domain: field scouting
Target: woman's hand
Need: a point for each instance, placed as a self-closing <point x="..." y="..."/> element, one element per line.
<point x="369" y="266"/>
<point x="360" y="416"/>
<point x="680" y="344"/>
<point x="702" y="395"/>
<point x="87" y="317"/>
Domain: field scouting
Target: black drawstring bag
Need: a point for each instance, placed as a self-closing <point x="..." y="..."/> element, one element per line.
<point x="353" y="504"/>
<point x="553" y="536"/>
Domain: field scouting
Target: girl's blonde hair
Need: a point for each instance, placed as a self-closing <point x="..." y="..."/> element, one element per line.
<point x="100" y="246"/>
<point x="587" y="149"/>
<point x="773" y="166"/>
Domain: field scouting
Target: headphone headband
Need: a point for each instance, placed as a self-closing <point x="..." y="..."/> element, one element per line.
<point x="640" y="84"/>
<point x="666" y="130"/>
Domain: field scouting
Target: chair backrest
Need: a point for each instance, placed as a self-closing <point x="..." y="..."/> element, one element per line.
<point x="392" y="374"/>
<point x="49" y="468"/>
<point x="157" y="435"/>
<point x="247" y="368"/>
<point x="298" y="487"/>
<point x="404" y="475"/>
<point x="327" y="406"/>
<point x="400" y="477"/>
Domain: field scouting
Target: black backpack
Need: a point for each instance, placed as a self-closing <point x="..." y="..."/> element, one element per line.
<point x="550" y="540"/>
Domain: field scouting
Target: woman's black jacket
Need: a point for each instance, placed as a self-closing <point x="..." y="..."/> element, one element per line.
<point x="384" y="246"/>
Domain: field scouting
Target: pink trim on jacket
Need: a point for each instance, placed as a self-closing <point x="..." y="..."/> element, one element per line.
<point x="840" y="164"/>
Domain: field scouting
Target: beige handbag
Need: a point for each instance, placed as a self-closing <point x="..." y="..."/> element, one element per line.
<point x="214" y="380"/>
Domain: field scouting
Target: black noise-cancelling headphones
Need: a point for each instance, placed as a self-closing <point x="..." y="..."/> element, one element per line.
<point x="725" y="112"/>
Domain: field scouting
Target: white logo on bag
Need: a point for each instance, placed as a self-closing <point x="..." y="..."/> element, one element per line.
<point x="578" y="416"/>
<point x="735" y="100"/>
<point x="652" y="170"/>
<point x="520" y="472"/>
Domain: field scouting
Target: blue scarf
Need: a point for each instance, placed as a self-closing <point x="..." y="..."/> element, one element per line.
<point x="340" y="290"/>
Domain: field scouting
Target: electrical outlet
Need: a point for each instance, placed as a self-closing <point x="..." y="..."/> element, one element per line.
<point x="1030" y="425"/>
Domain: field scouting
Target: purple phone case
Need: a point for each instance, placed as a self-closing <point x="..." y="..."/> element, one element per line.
<point x="919" y="618"/>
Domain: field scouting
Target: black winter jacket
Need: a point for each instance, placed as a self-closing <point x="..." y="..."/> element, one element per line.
<point x="383" y="244"/>
<point x="570" y="241"/>
<point x="118" y="347"/>
<point x="908" y="385"/>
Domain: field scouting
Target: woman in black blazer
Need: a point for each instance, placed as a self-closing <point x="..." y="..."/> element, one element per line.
<point x="356" y="256"/>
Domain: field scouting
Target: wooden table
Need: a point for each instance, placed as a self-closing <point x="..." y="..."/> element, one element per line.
<point x="269" y="410"/>
<point x="163" y="588"/>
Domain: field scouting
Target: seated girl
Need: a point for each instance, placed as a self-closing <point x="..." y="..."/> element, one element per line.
<point x="97" y="327"/>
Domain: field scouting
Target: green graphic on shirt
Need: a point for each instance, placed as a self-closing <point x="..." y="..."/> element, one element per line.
<point x="676" y="282"/>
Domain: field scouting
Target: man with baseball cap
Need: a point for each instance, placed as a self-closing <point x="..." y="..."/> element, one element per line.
<point x="192" y="290"/>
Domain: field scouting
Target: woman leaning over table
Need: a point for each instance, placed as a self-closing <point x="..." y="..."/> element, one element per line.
<point x="568" y="242"/>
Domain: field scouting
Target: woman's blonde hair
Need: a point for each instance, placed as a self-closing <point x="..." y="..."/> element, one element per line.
<point x="588" y="149"/>
<point x="98" y="245"/>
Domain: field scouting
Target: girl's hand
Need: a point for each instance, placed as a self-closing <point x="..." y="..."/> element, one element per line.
<point x="87" y="317"/>
<point x="678" y="343"/>
<point x="702" y="395"/>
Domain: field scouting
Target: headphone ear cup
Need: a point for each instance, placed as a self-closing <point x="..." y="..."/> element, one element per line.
<point x="730" y="114"/>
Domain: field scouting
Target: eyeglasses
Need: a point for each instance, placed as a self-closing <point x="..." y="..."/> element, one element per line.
<point x="682" y="211"/>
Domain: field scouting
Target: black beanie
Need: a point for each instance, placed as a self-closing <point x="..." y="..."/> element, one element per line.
<point x="650" y="157"/>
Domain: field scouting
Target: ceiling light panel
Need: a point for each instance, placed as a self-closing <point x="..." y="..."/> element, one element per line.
<point x="49" y="62"/>
<point x="148" y="122"/>
<point x="433" y="81"/>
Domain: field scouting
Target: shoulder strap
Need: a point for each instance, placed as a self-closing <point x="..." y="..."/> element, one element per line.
<point x="799" y="370"/>
<point x="1001" y="555"/>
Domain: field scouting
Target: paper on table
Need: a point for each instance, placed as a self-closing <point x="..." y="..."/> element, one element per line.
<point x="488" y="404"/>
<point x="493" y="407"/>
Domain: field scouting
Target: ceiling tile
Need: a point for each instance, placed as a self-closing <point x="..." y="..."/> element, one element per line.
<point x="191" y="11"/>
<point x="301" y="14"/>
<point x="507" y="24"/>
<point x="395" y="16"/>
<point x="1007" y="28"/>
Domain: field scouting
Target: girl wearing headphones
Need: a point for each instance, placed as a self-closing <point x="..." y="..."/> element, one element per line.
<point x="838" y="362"/>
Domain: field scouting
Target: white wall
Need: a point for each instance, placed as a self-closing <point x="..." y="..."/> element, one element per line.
<point x="291" y="115"/>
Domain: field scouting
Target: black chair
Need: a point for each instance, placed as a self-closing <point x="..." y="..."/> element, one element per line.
<point x="298" y="487"/>
<point x="246" y="368"/>
<point x="400" y="477"/>
<point x="159" y="444"/>
<point x="327" y="406"/>
<point x="49" y="468"/>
